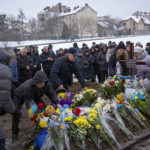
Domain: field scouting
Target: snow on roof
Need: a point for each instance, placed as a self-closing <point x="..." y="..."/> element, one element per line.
<point x="71" y="12"/>
<point x="138" y="19"/>
<point x="121" y="28"/>
<point x="104" y="24"/>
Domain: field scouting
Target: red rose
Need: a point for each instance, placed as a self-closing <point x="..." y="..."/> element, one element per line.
<point x="40" y="105"/>
<point x="34" y="118"/>
<point x="45" y="114"/>
<point x="76" y="112"/>
<point x="112" y="83"/>
<point x="123" y="81"/>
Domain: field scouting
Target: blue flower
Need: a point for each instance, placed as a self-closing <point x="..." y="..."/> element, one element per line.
<point x="34" y="108"/>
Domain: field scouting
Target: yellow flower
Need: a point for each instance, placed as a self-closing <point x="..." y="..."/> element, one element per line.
<point x="119" y="96"/>
<point x="49" y="110"/>
<point x="29" y="112"/>
<point x="31" y="147"/>
<point x="61" y="126"/>
<point x="97" y="127"/>
<point x="136" y="98"/>
<point x="58" y="111"/>
<point x="43" y="124"/>
<point x="69" y="118"/>
<point x="88" y="90"/>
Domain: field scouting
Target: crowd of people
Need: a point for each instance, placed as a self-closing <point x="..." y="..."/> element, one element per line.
<point x="26" y="75"/>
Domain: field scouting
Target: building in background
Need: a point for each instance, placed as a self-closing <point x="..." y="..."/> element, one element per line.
<point x="136" y="25"/>
<point x="106" y="26"/>
<point x="79" y="22"/>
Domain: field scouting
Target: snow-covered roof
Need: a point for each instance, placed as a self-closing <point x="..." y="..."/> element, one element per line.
<point x="121" y="28"/>
<point x="71" y="12"/>
<point x="106" y="25"/>
<point x="138" y="19"/>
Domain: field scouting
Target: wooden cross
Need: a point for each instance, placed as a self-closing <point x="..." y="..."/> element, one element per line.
<point x="131" y="63"/>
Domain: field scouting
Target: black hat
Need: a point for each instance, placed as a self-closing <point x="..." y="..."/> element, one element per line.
<point x="104" y="46"/>
<point x="75" y="45"/>
<point x="148" y="44"/>
<point x="112" y="46"/>
<point x="121" y="45"/>
<point x="50" y="46"/>
<point x="72" y="51"/>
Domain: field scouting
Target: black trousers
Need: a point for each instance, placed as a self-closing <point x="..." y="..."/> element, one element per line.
<point x="16" y="116"/>
<point x="102" y="76"/>
<point x="2" y="144"/>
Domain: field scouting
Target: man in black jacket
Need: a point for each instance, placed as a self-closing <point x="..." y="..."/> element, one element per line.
<point x="32" y="90"/>
<point x="62" y="71"/>
<point x="47" y="59"/>
<point x="25" y="66"/>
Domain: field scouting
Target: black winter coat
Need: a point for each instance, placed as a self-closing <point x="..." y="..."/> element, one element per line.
<point x="62" y="71"/>
<point x="101" y="61"/>
<point x="6" y="103"/>
<point x="88" y="66"/>
<point x="47" y="65"/>
<point x="22" y="62"/>
<point x="28" y="91"/>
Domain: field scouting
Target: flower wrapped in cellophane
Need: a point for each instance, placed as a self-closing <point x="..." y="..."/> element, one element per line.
<point x="84" y="98"/>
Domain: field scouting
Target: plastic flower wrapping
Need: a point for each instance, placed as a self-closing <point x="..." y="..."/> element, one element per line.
<point x="88" y="118"/>
<point x="111" y="87"/>
<point x="84" y="98"/>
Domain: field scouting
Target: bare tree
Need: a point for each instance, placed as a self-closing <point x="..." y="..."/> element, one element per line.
<point x="33" y="28"/>
<point x="82" y="25"/>
<point x="21" y="18"/>
<point x="3" y="27"/>
<point x="91" y="26"/>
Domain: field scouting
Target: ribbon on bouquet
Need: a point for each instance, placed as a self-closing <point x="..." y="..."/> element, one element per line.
<point x="115" y="77"/>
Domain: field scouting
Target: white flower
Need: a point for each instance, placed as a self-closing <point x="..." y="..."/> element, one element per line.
<point x="107" y="108"/>
<point x="117" y="82"/>
<point x="100" y="102"/>
<point x="44" y="119"/>
<point x="84" y="111"/>
<point x="103" y="85"/>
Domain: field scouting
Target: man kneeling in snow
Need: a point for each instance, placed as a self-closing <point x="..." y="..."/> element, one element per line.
<point x="32" y="90"/>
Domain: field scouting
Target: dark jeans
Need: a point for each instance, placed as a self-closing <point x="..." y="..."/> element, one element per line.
<point x="2" y="144"/>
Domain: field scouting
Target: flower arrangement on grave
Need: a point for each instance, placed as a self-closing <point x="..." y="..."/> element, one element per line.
<point x="111" y="88"/>
<point x="84" y="98"/>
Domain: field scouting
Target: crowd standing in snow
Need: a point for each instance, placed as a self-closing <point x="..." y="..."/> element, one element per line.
<point x="30" y="75"/>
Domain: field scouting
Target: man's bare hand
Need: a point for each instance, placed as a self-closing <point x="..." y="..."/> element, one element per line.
<point x="141" y="83"/>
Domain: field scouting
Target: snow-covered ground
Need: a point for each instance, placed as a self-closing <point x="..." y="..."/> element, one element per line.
<point x="63" y="44"/>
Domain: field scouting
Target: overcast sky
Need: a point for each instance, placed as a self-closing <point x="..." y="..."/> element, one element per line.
<point x="115" y="8"/>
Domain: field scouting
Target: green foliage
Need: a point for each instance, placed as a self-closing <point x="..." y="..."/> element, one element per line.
<point x="111" y="89"/>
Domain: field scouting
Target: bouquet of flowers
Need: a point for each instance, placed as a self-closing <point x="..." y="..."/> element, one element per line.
<point x="139" y="101"/>
<point x="85" y="98"/>
<point x="111" y="88"/>
<point x="65" y="98"/>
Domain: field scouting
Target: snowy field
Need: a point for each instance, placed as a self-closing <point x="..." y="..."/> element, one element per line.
<point x="63" y="44"/>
